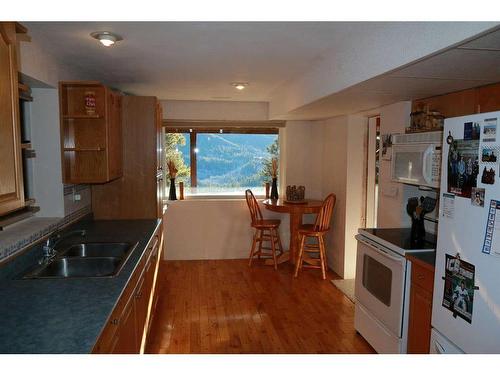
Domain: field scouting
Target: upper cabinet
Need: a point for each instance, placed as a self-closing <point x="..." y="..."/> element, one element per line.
<point x="11" y="175"/>
<point x="91" y="132"/>
<point x="488" y="98"/>
<point x="465" y="102"/>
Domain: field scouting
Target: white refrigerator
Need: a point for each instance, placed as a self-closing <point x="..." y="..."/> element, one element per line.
<point x="466" y="299"/>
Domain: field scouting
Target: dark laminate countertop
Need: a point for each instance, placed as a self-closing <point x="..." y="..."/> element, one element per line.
<point x="425" y="258"/>
<point x="67" y="315"/>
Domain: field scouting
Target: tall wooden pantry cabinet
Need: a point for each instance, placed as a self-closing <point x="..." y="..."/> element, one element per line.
<point x="139" y="193"/>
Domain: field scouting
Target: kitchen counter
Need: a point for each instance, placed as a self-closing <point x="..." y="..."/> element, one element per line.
<point x="66" y="315"/>
<point x="426" y="259"/>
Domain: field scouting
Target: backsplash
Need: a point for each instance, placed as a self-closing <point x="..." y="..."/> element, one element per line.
<point x="83" y="192"/>
<point x="23" y="234"/>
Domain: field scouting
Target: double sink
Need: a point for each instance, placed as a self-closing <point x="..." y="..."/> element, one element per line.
<point x="92" y="259"/>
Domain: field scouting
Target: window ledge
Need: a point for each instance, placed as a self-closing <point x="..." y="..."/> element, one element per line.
<point x="216" y="197"/>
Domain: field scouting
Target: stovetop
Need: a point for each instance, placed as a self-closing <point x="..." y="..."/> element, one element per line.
<point x="398" y="239"/>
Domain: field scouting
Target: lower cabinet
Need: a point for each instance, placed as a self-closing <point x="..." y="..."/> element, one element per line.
<point x="419" y="330"/>
<point x="124" y="340"/>
<point x="126" y="330"/>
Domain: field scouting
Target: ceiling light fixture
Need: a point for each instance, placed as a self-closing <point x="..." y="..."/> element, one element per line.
<point x="106" y="38"/>
<point x="239" y="85"/>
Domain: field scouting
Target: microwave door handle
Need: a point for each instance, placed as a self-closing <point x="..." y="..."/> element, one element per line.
<point x="425" y="170"/>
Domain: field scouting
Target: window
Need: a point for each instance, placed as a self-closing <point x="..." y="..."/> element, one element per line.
<point x="222" y="161"/>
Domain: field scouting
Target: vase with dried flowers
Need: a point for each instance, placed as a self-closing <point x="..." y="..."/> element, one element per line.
<point x="274" y="175"/>
<point x="172" y="172"/>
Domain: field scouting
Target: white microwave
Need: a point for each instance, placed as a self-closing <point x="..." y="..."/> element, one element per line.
<point x="416" y="159"/>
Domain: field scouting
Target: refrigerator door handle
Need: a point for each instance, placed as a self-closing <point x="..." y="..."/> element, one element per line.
<point x="439" y="349"/>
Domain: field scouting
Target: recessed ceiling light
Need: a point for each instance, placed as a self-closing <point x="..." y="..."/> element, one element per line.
<point x="239" y="85"/>
<point x="106" y="38"/>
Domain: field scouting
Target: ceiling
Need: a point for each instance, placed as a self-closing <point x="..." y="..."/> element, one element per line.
<point x="199" y="60"/>
<point x="472" y="64"/>
<point x="192" y="60"/>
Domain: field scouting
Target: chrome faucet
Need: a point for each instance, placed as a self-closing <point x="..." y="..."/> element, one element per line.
<point x="49" y="251"/>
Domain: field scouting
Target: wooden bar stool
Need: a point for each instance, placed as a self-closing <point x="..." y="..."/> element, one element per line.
<point x="265" y="230"/>
<point x="316" y="230"/>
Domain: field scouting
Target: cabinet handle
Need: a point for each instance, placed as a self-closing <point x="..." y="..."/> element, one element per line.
<point x="138" y="295"/>
<point x="420" y="277"/>
<point x="115" y="321"/>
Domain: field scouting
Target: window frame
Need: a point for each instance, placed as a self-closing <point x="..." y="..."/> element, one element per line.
<point x="195" y="130"/>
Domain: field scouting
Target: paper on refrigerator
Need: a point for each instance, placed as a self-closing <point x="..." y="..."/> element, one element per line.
<point x="491" y="243"/>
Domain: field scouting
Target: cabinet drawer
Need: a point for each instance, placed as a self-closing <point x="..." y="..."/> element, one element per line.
<point x="422" y="277"/>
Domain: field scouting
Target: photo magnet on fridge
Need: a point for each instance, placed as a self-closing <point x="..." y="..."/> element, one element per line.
<point x="491" y="245"/>
<point x="463" y="167"/>
<point x="488" y="176"/>
<point x="472" y="130"/>
<point x="490" y="130"/>
<point x="459" y="287"/>
<point x="489" y="155"/>
<point x="477" y="197"/>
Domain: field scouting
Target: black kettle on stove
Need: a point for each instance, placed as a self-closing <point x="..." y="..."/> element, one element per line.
<point x="417" y="208"/>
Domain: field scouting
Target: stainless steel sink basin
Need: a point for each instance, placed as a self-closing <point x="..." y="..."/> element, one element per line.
<point x="97" y="249"/>
<point x="84" y="260"/>
<point x="80" y="267"/>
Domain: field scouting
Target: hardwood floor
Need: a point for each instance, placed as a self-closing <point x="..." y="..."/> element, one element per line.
<point x="223" y="306"/>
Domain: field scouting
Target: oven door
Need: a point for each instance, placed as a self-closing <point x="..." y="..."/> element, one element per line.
<point x="380" y="283"/>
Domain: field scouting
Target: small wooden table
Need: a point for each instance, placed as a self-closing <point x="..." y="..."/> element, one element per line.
<point x="296" y="210"/>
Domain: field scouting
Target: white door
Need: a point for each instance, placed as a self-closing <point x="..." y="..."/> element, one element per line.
<point x="380" y="282"/>
<point x="462" y="229"/>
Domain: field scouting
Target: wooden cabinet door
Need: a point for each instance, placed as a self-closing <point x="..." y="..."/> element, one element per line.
<point x="125" y="340"/>
<point x="114" y="136"/>
<point x="159" y="135"/>
<point x="419" y="331"/>
<point x="141" y="308"/>
<point x="160" y="194"/>
<point x="11" y="177"/>
<point x="160" y="161"/>
<point x="488" y="98"/>
<point x="155" y="259"/>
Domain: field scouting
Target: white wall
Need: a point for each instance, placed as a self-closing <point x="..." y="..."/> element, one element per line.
<point x="334" y="171"/>
<point x="392" y="197"/>
<point x="342" y="173"/>
<point x="212" y="229"/>
<point x="301" y="156"/>
<point x="36" y="62"/>
<point x="214" y="110"/>
<point x="47" y="173"/>
<point x="356" y="137"/>
<point x="48" y="187"/>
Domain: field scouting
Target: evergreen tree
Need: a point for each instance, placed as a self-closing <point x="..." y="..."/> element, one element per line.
<point x="172" y="143"/>
<point x="273" y="151"/>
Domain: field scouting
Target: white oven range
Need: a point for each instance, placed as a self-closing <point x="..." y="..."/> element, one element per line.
<point x="382" y="286"/>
